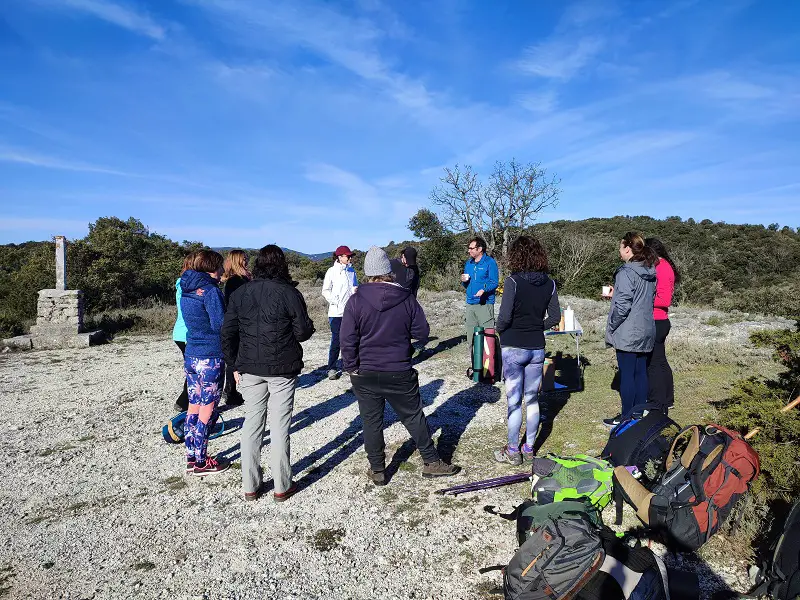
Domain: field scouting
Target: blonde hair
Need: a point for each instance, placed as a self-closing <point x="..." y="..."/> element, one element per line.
<point x="235" y="265"/>
<point x="188" y="262"/>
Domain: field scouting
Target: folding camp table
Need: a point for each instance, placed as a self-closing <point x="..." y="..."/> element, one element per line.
<point x="576" y="332"/>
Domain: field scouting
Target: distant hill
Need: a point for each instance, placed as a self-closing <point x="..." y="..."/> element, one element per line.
<point x="318" y="256"/>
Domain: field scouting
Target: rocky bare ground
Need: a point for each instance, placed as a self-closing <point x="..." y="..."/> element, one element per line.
<point x="94" y="504"/>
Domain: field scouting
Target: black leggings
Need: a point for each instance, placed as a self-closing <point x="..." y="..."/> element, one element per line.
<point x="659" y="373"/>
<point x="183" y="399"/>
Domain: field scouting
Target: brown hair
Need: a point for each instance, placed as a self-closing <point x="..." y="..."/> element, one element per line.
<point x="479" y="242"/>
<point x="188" y="262"/>
<point x="527" y="254"/>
<point x="641" y="252"/>
<point x="387" y="278"/>
<point x="208" y="261"/>
<point x="235" y="265"/>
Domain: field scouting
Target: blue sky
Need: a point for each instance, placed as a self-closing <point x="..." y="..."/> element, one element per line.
<point x="314" y="124"/>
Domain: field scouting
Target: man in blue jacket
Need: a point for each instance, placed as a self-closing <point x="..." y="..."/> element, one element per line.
<point x="480" y="279"/>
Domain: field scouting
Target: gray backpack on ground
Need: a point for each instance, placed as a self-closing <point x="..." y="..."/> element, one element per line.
<point x="565" y="552"/>
<point x="556" y="560"/>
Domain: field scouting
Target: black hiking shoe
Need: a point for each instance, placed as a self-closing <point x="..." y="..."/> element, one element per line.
<point x="377" y="477"/>
<point x="612" y="421"/>
<point x="439" y="469"/>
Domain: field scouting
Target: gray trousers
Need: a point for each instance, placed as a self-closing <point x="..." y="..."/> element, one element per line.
<point x="478" y="315"/>
<point x="278" y="393"/>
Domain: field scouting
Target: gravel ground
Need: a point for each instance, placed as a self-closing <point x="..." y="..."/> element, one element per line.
<point x="94" y="504"/>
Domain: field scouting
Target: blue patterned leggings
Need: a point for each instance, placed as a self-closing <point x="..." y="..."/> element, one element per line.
<point x="522" y="371"/>
<point x="204" y="379"/>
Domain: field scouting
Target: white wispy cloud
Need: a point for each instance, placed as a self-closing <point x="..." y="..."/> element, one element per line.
<point x="24" y="157"/>
<point x="357" y="192"/>
<point x="117" y="14"/>
<point x="560" y="58"/>
<point x="542" y="103"/>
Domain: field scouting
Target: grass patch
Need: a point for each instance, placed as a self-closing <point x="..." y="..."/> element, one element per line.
<point x="326" y="540"/>
<point x="175" y="482"/>
<point x="53" y="450"/>
<point x="408" y="466"/>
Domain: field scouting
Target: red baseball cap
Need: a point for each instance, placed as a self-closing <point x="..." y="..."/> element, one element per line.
<point x="343" y="250"/>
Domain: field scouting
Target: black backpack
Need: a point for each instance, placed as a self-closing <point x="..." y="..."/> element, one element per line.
<point x="779" y="574"/>
<point x="642" y="441"/>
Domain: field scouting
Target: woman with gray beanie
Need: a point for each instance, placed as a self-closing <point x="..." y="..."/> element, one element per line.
<point x="377" y="327"/>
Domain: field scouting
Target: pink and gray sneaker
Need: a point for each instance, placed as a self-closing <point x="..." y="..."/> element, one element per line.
<point x="211" y="467"/>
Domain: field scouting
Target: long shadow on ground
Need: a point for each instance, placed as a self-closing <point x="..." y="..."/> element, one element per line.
<point x="300" y="420"/>
<point x="431" y="351"/>
<point x="452" y="417"/>
<point x="351" y="439"/>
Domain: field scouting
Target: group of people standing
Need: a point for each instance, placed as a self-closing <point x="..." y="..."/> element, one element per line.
<point x="245" y="340"/>
<point x="637" y="327"/>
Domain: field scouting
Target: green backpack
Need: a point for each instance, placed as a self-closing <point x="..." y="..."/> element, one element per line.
<point x="580" y="477"/>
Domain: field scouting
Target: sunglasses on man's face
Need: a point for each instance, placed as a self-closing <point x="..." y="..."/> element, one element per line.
<point x="472" y="247"/>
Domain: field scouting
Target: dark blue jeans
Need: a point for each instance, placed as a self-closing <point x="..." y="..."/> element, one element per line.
<point x="333" y="353"/>
<point x="633" y="387"/>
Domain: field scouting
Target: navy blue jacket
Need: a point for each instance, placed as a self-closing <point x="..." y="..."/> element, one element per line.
<point x="378" y="324"/>
<point x="203" y="309"/>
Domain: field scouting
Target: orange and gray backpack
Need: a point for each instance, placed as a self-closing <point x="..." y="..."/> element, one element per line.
<point x="693" y="497"/>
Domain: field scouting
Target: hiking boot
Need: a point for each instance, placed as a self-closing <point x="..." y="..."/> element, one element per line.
<point x="613" y="421"/>
<point x="439" y="469"/>
<point x="333" y="374"/>
<point x="504" y="455"/>
<point x="211" y="467"/>
<point x="377" y="477"/>
<point x="284" y="496"/>
<point x="527" y="451"/>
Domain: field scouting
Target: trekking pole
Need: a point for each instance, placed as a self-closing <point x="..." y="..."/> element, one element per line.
<point x="484" y="484"/>
<point x="752" y="433"/>
<point x="472" y="484"/>
<point x="492" y="480"/>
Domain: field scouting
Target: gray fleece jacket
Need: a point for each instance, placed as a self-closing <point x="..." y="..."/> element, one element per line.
<point x="630" y="326"/>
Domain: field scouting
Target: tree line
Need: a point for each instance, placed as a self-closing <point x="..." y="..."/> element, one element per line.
<point x="752" y="268"/>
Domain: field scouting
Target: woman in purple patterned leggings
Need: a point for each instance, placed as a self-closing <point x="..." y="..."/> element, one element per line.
<point x="530" y="307"/>
<point x="203" y="309"/>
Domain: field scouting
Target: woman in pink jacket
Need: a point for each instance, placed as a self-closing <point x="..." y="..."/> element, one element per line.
<point x="659" y="373"/>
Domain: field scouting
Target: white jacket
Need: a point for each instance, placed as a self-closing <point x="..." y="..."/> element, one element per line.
<point x="340" y="280"/>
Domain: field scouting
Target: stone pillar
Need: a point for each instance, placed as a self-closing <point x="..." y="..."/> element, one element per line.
<point x="59" y="312"/>
<point x="61" y="262"/>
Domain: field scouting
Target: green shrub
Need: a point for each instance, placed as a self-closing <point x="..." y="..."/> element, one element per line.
<point x="756" y="402"/>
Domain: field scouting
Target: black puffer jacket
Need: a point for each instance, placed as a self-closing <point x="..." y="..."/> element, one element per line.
<point x="264" y="324"/>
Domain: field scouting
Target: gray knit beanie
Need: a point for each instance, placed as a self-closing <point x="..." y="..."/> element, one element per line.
<point x="376" y="262"/>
